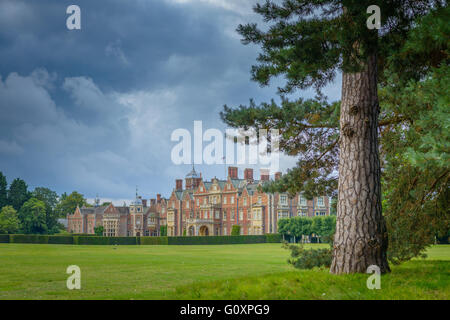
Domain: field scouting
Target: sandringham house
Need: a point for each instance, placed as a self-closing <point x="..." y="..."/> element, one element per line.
<point x="201" y="208"/>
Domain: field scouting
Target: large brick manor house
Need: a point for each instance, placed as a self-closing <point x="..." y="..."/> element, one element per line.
<point x="200" y="208"/>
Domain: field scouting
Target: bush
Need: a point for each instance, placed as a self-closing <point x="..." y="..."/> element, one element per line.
<point x="273" y="238"/>
<point x="236" y="230"/>
<point x="302" y="258"/>
<point x="28" y="238"/>
<point x="153" y="240"/>
<point x="4" y="238"/>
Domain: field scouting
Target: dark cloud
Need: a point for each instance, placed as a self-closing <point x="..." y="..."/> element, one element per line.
<point x="92" y="110"/>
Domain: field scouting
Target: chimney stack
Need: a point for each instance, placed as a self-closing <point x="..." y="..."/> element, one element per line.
<point x="248" y="174"/>
<point x="144" y="203"/>
<point x="233" y="172"/>
<point x="264" y="174"/>
<point x="152" y="202"/>
<point x="278" y="175"/>
<point x="158" y="198"/>
<point x="179" y="184"/>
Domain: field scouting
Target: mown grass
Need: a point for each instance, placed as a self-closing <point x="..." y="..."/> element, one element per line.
<point x="250" y="271"/>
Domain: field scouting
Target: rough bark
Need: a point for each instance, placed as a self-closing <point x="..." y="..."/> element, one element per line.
<point x="361" y="236"/>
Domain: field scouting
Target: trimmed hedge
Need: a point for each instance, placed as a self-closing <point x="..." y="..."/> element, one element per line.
<point x="96" y="240"/>
<point x="216" y="240"/>
<point x="60" y="239"/>
<point x="28" y="238"/>
<point x="273" y="238"/>
<point x="4" y="238"/>
<point x="153" y="240"/>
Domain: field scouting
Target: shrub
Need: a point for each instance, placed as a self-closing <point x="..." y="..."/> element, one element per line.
<point x="4" y="238"/>
<point x="153" y="240"/>
<point x="236" y="230"/>
<point x="302" y="258"/>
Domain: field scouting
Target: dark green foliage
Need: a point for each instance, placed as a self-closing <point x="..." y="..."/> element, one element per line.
<point x="28" y="238"/>
<point x="60" y="239"/>
<point x="302" y="258"/>
<point x="3" y="191"/>
<point x="216" y="240"/>
<point x="68" y="203"/>
<point x="273" y="238"/>
<point x="236" y="230"/>
<point x="18" y="193"/>
<point x="4" y="238"/>
<point x="32" y="216"/>
<point x="153" y="240"/>
<point x="50" y="198"/>
<point x="99" y="230"/>
<point x="104" y="240"/>
<point x="163" y="231"/>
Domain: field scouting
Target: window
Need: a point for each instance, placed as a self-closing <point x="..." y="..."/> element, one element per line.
<point x="224" y="200"/>
<point x="259" y="200"/>
<point x="302" y="200"/>
<point x="204" y="200"/>
<point x="201" y="189"/>
<point x="187" y="204"/>
<point x="241" y="215"/>
<point x="232" y="214"/>
<point x="198" y="202"/>
<point x="224" y="215"/>
<point x="215" y="200"/>
<point x="217" y="214"/>
<point x="283" y="199"/>
<point x="224" y="231"/>
<point x="320" y="201"/>
<point x="232" y="200"/>
<point x="245" y="201"/>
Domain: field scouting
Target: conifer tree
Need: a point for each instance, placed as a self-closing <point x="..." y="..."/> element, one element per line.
<point x="309" y="42"/>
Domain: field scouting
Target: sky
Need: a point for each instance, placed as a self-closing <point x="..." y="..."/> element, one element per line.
<point x="93" y="110"/>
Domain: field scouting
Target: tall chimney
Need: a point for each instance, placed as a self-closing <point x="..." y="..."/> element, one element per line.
<point x="144" y="203"/>
<point x="264" y="174"/>
<point x="179" y="184"/>
<point x="278" y="175"/>
<point x="158" y="198"/>
<point x="233" y="172"/>
<point x="248" y="174"/>
<point x="152" y="202"/>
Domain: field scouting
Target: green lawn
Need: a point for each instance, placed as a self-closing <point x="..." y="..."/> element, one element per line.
<point x="253" y="271"/>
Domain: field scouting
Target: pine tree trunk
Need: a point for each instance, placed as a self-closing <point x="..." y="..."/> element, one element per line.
<point x="361" y="237"/>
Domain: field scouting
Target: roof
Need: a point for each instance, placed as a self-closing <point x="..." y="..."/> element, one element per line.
<point x="193" y="174"/>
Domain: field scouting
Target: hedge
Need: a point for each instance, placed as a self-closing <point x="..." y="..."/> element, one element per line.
<point x="216" y="240"/>
<point x="28" y="238"/>
<point x="153" y="240"/>
<point x="273" y="238"/>
<point x="96" y="240"/>
<point x="4" y="238"/>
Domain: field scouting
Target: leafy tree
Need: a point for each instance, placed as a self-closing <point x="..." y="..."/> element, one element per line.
<point x="99" y="230"/>
<point x="235" y="230"/>
<point x="18" y="193"/>
<point x="50" y="198"/>
<point x="9" y="222"/>
<point x="309" y="42"/>
<point x="3" y="191"/>
<point x="68" y="203"/>
<point x="163" y="231"/>
<point x="32" y="217"/>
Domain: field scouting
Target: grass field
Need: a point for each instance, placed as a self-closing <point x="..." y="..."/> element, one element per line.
<point x="253" y="271"/>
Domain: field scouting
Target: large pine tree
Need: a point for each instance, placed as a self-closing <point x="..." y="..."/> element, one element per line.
<point x="309" y="43"/>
